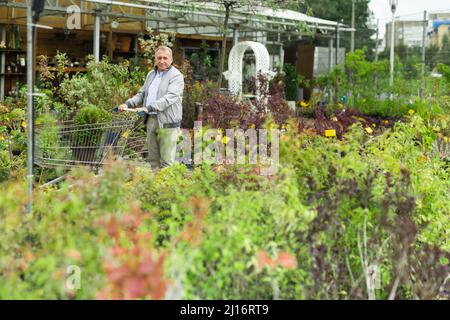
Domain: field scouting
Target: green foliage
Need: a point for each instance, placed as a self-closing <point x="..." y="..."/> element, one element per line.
<point x="105" y="85"/>
<point x="91" y="114"/>
<point x="86" y="118"/>
<point x="334" y="208"/>
<point x="374" y="197"/>
<point x="204" y="66"/>
<point x="37" y="248"/>
<point x="366" y="84"/>
<point x="292" y="81"/>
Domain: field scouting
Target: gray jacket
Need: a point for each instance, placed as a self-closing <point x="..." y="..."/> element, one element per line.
<point x="169" y="97"/>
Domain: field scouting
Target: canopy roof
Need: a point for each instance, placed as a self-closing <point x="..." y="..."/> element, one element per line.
<point x="194" y="17"/>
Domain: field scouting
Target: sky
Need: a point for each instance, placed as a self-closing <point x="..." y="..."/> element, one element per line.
<point x="406" y="9"/>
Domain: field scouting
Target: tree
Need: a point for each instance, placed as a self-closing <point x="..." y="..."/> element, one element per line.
<point x="444" y="53"/>
<point x="228" y="6"/>
<point x="341" y="11"/>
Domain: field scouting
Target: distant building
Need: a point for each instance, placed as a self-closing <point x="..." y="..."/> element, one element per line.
<point x="407" y="32"/>
<point x="440" y="23"/>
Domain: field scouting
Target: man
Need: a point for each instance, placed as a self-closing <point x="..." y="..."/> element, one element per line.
<point x="161" y="97"/>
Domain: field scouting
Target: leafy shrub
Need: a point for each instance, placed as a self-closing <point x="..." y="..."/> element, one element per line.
<point x="336" y="210"/>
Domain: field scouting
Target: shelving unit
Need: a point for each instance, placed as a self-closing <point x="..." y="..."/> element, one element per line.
<point x="12" y="62"/>
<point x="12" y="71"/>
<point x="116" y="51"/>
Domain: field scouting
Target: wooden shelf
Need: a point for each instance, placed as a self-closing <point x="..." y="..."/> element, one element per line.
<point x="12" y="74"/>
<point x="12" y="50"/>
<point x="76" y="69"/>
<point x="124" y="52"/>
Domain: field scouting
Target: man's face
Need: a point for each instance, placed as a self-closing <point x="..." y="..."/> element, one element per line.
<point x="163" y="60"/>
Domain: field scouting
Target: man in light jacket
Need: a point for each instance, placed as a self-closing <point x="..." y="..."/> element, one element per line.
<point x="161" y="97"/>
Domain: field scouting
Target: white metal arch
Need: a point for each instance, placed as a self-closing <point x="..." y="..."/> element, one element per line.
<point x="234" y="72"/>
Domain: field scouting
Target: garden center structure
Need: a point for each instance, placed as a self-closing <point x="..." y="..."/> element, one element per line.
<point x="104" y="27"/>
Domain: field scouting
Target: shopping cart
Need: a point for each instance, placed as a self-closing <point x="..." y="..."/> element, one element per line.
<point x="67" y="144"/>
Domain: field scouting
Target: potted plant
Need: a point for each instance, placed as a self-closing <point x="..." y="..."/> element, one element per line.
<point x="87" y="137"/>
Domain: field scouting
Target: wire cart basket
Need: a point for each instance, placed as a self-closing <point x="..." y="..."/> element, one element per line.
<point x="66" y="144"/>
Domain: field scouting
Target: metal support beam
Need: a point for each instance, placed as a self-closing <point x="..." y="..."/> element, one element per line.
<point x="424" y="38"/>
<point x="330" y="54"/>
<point x="30" y="98"/>
<point x="352" y="42"/>
<point x="97" y="38"/>
<point x="338" y="43"/>
<point x="2" y="66"/>
<point x="235" y="36"/>
<point x="281" y="52"/>
<point x="216" y="16"/>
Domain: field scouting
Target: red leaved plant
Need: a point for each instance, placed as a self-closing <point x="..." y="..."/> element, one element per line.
<point x="135" y="269"/>
<point x="283" y="259"/>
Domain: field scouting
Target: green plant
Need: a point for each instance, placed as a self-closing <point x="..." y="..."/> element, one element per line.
<point x="104" y="85"/>
<point x="90" y="122"/>
<point x="154" y="40"/>
<point x="292" y="81"/>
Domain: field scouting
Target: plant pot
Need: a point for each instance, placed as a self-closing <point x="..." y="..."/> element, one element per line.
<point x="291" y="105"/>
<point x="125" y="43"/>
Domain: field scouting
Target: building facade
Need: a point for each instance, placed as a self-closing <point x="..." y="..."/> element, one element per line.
<point x="440" y="28"/>
<point x="407" y="32"/>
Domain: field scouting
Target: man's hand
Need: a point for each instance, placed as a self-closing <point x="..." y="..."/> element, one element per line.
<point x="152" y="109"/>
<point x="122" y="107"/>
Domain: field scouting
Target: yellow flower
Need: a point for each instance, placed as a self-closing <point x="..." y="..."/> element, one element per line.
<point x="304" y="104"/>
<point x="374" y="125"/>
<point x="24" y="124"/>
<point x="385" y="122"/>
<point x="330" y="133"/>
<point x="125" y="134"/>
<point x="446" y="139"/>
<point x="225" y="140"/>
<point x="2" y="138"/>
<point x="369" y="130"/>
<point x="411" y="112"/>
<point x="220" y="130"/>
<point x="422" y="158"/>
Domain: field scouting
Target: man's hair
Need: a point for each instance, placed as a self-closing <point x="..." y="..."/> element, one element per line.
<point x="165" y="49"/>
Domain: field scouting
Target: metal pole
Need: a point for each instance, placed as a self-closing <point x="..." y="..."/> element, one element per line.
<point x="424" y="35"/>
<point x="377" y="39"/>
<point x="235" y="36"/>
<point x="338" y="43"/>
<point x="391" y="79"/>
<point x="30" y="98"/>
<point x="330" y="54"/>
<point x="97" y="38"/>
<point x="2" y="66"/>
<point x="352" y="44"/>
<point x="281" y="51"/>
